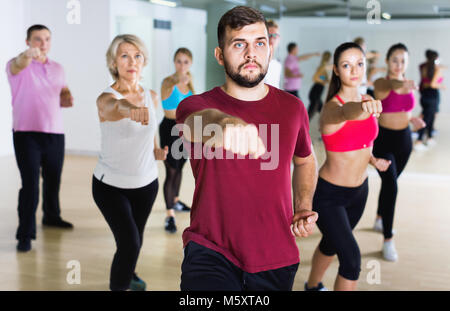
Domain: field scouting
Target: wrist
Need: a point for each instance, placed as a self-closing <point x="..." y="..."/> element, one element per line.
<point x="305" y="205"/>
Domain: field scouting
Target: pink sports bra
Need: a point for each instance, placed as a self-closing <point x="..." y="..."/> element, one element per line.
<point x="427" y="80"/>
<point x="354" y="135"/>
<point x="395" y="102"/>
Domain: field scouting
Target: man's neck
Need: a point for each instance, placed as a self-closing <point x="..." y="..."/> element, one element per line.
<point x="42" y="60"/>
<point x="255" y="93"/>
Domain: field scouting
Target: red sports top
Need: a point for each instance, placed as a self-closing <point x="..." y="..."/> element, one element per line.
<point x="238" y="209"/>
<point x="354" y="135"/>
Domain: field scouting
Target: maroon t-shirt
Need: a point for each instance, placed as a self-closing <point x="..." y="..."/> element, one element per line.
<point x="242" y="207"/>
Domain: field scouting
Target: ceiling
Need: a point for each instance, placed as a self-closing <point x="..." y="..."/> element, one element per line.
<point x="355" y="9"/>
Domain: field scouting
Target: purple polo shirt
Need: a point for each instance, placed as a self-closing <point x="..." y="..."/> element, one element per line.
<point x="292" y="84"/>
<point x="36" y="97"/>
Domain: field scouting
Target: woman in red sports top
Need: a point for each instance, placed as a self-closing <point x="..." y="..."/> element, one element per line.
<point x="394" y="141"/>
<point x="349" y="127"/>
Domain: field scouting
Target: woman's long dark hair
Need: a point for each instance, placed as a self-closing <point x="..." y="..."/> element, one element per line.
<point x="335" y="83"/>
<point x="430" y="64"/>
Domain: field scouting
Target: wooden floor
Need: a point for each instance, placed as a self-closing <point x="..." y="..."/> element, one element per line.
<point x="422" y="224"/>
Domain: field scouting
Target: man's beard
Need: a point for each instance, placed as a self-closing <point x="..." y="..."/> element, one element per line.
<point x="240" y="79"/>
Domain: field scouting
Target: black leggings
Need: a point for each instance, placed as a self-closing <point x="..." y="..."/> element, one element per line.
<point x="396" y="146"/>
<point x="429" y="101"/>
<point x="126" y="211"/>
<point x="340" y="209"/>
<point x="174" y="167"/>
<point x="315" y="100"/>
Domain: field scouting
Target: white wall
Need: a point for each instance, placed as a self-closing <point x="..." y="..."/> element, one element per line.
<point x="320" y="34"/>
<point x="11" y="30"/>
<point x="188" y="30"/>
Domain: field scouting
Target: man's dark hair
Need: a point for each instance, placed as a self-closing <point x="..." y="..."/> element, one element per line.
<point x="236" y="18"/>
<point x="34" y="28"/>
<point x="291" y="46"/>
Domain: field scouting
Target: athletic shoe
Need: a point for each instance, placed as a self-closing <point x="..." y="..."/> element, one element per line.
<point x="389" y="251"/>
<point x="170" y="224"/>
<point x="318" y="288"/>
<point x="419" y="146"/>
<point x="379" y="226"/>
<point x="181" y="207"/>
<point x="24" y="245"/>
<point x="431" y="142"/>
<point x="137" y="284"/>
<point x="58" y="223"/>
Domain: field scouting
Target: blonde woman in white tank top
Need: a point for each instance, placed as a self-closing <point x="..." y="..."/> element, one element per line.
<point x="125" y="181"/>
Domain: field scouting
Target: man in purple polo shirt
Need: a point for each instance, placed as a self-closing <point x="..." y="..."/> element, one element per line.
<point x="243" y="222"/>
<point x="39" y="92"/>
<point x="292" y="74"/>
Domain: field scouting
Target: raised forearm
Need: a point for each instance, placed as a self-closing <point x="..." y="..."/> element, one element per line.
<point x="354" y="111"/>
<point x="396" y="84"/>
<point x="20" y="63"/>
<point x="114" y="109"/>
<point x="197" y="122"/>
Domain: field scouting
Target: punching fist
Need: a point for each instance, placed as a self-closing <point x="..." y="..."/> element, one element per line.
<point x="66" y="99"/>
<point x="132" y="106"/>
<point x="380" y="164"/>
<point x="372" y="106"/>
<point x="161" y="154"/>
<point x="34" y="53"/>
<point x="417" y="123"/>
<point x="243" y="139"/>
<point x="408" y="86"/>
<point x="303" y="223"/>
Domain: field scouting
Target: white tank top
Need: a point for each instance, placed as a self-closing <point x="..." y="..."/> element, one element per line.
<point x="126" y="158"/>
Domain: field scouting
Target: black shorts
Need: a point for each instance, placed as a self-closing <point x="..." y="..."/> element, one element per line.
<point x="206" y="270"/>
<point x="167" y="139"/>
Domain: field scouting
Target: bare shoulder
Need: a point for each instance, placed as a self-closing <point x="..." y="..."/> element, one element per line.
<point x="168" y="82"/>
<point x="104" y="97"/>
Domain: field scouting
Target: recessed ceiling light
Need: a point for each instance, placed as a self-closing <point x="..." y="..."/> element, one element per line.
<point x="386" y="15"/>
<point x="238" y="2"/>
<point x="164" y="2"/>
<point x="267" y="9"/>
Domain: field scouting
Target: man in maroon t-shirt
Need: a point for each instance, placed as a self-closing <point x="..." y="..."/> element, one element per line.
<point x="243" y="225"/>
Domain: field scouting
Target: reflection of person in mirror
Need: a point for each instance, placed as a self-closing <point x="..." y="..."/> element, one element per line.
<point x="125" y="181"/>
<point x="39" y="91"/>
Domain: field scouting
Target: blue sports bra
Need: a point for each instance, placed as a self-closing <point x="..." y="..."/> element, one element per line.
<point x="174" y="99"/>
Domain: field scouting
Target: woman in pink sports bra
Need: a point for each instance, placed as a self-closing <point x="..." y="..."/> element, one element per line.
<point x="394" y="140"/>
<point x="348" y="125"/>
